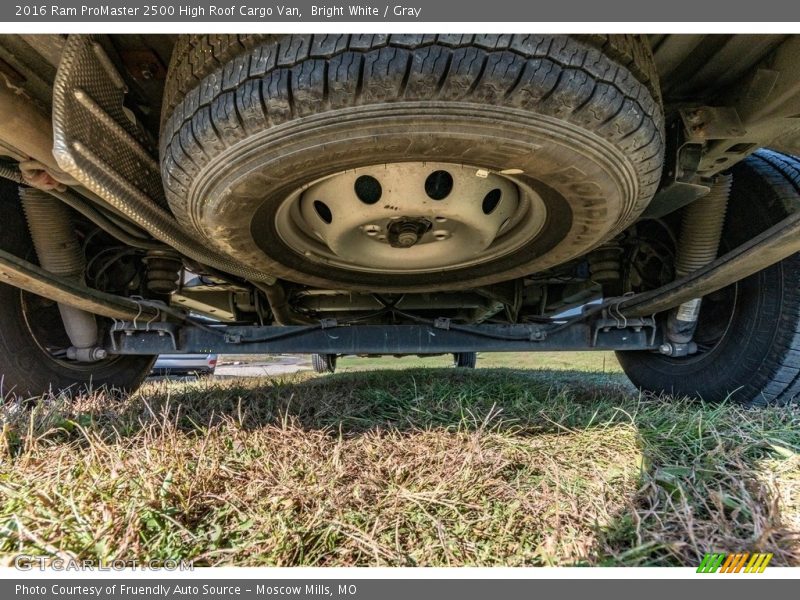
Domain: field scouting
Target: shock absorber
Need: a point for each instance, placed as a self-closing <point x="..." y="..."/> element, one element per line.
<point x="698" y="245"/>
<point x="58" y="251"/>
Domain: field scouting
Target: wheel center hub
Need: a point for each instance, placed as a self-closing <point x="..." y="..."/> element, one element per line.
<point x="407" y="231"/>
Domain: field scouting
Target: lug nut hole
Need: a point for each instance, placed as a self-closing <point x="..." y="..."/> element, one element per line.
<point x="323" y="211"/>
<point x="368" y="189"/>
<point x="372" y="230"/>
<point x="438" y="185"/>
<point x="491" y="200"/>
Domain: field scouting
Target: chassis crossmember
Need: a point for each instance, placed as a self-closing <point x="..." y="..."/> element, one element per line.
<point x="330" y="338"/>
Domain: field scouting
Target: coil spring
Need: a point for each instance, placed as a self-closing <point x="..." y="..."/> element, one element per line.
<point x="701" y="228"/>
<point x="58" y="251"/>
<point x="50" y="226"/>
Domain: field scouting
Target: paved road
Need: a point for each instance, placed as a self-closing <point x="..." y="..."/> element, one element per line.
<point x="282" y="365"/>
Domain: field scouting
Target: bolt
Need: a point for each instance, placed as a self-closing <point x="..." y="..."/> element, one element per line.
<point x="407" y="231"/>
<point x="695" y="116"/>
<point x="148" y="70"/>
<point x="406" y="239"/>
<point x="99" y="354"/>
<point x="665" y="349"/>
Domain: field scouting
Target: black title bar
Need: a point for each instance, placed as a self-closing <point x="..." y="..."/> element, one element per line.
<point x="410" y="11"/>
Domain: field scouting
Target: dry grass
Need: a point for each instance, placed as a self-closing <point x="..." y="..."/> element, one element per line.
<point x="419" y="467"/>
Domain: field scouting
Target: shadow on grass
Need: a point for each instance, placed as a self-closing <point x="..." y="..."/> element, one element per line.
<point x="494" y="466"/>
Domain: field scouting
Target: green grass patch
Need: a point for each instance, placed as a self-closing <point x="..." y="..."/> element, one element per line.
<point x="422" y="466"/>
<point x="602" y="362"/>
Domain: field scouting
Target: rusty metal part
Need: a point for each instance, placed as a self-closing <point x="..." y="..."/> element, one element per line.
<point x="25" y="128"/>
<point x="143" y="64"/>
<point x="279" y="305"/>
<point x="35" y="174"/>
<point x="32" y="278"/>
<point x="27" y="134"/>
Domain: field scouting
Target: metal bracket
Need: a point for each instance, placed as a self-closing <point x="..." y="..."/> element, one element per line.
<point x="160" y="329"/>
<point x="329" y="323"/>
<point x="712" y="123"/>
<point x="610" y="321"/>
<point x="679" y="184"/>
<point x="538" y="334"/>
<point x="441" y="323"/>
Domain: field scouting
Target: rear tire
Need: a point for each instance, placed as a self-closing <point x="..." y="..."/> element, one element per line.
<point x="465" y="360"/>
<point x="324" y="363"/>
<point x="29" y="323"/>
<point x="751" y="329"/>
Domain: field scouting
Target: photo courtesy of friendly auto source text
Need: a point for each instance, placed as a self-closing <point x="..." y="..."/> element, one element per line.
<point x="386" y="299"/>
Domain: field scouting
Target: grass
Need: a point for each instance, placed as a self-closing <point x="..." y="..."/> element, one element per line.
<point x="603" y="362"/>
<point x="424" y="466"/>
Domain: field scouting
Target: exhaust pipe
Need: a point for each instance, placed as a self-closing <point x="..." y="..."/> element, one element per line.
<point x="29" y="134"/>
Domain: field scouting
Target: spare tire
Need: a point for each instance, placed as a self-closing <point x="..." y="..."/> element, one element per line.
<point x="410" y="162"/>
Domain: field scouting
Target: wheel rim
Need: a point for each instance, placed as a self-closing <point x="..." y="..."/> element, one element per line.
<point x="410" y="217"/>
